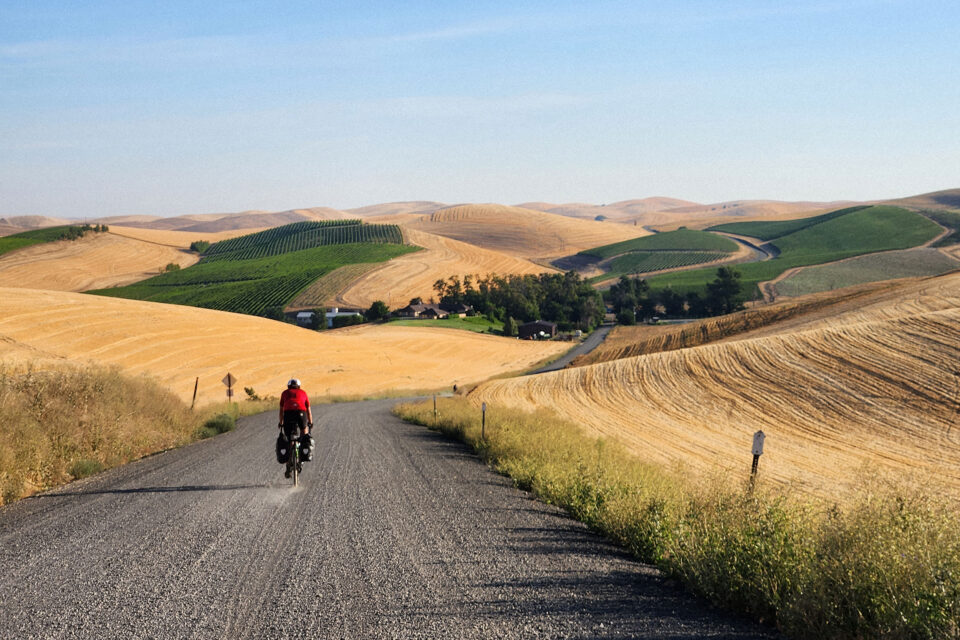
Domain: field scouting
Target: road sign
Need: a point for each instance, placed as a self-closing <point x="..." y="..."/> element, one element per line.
<point x="229" y="380"/>
<point x="758" y="439"/>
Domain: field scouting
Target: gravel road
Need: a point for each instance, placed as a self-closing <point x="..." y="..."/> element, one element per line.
<point x="395" y="532"/>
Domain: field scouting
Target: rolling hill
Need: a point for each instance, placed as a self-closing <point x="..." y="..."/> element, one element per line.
<point x="176" y="344"/>
<point x="261" y="273"/>
<point x="523" y="233"/>
<point x="871" y="390"/>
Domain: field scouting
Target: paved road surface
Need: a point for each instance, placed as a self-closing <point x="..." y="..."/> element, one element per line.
<point x="395" y="533"/>
<point x="592" y="342"/>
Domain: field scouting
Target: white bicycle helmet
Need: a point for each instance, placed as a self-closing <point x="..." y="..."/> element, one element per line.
<point x="293" y="383"/>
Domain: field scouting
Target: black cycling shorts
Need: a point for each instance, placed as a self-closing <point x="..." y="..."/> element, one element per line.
<point x="293" y="420"/>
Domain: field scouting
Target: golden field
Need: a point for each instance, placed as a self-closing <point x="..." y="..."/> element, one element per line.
<point x="176" y="344"/>
<point x="97" y="261"/>
<point x="413" y="275"/>
<point x="523" y="233"/>
<point x="840" y="394"/>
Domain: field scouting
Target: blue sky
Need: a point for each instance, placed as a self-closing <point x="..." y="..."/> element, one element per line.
<point x="164" y="108"/>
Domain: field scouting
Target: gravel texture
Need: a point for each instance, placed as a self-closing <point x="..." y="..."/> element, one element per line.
<point x="394" y="532"/>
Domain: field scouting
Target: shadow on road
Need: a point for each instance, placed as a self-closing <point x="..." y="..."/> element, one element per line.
<point x="187" y="487"/>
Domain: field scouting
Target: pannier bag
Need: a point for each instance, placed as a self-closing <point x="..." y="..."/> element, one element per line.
<point x="283" y="449"/>
<point x="306" y="448"/>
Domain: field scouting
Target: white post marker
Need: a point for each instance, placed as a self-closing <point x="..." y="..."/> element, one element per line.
<point x="229" y="380"/>
<point x="758" y="439"/>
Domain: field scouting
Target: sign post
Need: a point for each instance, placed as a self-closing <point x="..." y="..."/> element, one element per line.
<point x="758" y="439"/>
<point x="229" y="380"/>
<point x="483" y="421"/>
<point x="196" y="385"/>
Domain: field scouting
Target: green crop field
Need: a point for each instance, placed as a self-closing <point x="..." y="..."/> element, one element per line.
<point x="679" y="240"/>
<point x="949" y="219"/>
<point x="32" y="237"/>
<point x="242" y="279"/>
<point x="869" y="268"/>
<point x="857" y="231"/>
<point x="302" y="235"/>
<point x="767" y="230"/>
<point x="637" y="262"/>
<point x="479" y="324"/>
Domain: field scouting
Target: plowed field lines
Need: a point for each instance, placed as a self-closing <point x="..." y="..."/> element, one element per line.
<point x="873" y="391"/>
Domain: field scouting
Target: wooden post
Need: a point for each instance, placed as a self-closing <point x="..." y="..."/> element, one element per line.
<point x="758" y="439"/>
<point x="196" y="384"/>
<point x="434" y="409"/>
<point x="483" y="421"/>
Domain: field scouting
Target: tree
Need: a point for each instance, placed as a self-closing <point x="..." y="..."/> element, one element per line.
<point x="626" y="317"/>
<point x="725" y="293"/>
<point x="171" y="266"/>
<point x="199" y="246"/>
<point x="318" y="320"/>
<point x="509" y="327"/>
<point x="417" y="300"/>
<point x="274" y="313"/>
<point x="672" y="302"/>
<point x="378" y="311"/>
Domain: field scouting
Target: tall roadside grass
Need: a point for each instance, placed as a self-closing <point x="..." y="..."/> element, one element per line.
<point x="884" y="564"/>
<point x="57" y="426"/>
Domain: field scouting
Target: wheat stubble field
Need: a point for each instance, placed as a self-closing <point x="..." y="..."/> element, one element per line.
<point x="523" y="233"/>
<point x="413" y="275"/>
<point x="872" y="390"/>
<point x="121" y="256"/>
<point x="175" y="344"/>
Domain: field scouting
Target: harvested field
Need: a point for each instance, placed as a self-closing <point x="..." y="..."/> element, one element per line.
<point x="180" y="239"/>
<point x="325" y="291"/>
<point x="522" y="232"/>
<point x="413" y="275"/>
<point x="874" y="267"/>
<point x="177" y="344"/>
<point x="97" y="261"/>
<point x="868" y="391"/>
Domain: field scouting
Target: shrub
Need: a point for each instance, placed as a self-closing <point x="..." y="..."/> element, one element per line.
<point x="220" y="423"/>
<point x="85" y="467"/>
<point x="199" y="246"/>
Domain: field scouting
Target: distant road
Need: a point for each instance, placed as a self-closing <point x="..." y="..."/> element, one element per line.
<point x="395" y="533"/>
<point x="592" y="342"/>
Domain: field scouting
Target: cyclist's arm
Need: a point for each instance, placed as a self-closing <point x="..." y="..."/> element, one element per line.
<point x="280" y="425"/>
<point x="309" y="416"/>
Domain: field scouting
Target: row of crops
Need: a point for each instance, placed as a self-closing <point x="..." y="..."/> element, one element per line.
<point x="300" y="236"/>
<point x="254" y="286"/>
<point x="637" y="262"/>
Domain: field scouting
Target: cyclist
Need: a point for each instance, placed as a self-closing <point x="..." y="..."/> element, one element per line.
<point x="295" y="415"/>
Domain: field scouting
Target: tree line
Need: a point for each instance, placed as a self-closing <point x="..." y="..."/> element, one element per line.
<point x="563" y="298"/>
<point x="633" y="300"/>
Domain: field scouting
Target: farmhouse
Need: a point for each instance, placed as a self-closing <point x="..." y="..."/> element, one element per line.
<point x="434" y="311"/>
<point x="533" y="330"/>
<point x="305" y="319"/>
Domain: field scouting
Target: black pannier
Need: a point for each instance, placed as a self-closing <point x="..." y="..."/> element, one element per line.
<point x="306" y="447"/>
<point x="283" y="449"/>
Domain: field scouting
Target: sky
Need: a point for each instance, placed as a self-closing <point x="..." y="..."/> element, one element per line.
<point x="119" y="107"/>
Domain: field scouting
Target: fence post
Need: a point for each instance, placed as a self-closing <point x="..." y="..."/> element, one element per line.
<point x="483" y="422"/>
<point x="434" y="409"/>
<point x="196" y="384"/>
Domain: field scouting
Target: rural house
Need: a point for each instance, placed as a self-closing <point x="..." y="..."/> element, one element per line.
<point x="305" y="319"/>
<point x="533" y="330"/>
<point x="335" y="313"/>
<point x="434" y="311"/>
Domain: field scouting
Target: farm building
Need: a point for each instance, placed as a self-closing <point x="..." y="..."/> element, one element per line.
<point x="305" y="318"/>
<point x="336" y="313"/>
<point x="434" y="311"/>
<point x="533" y="330"/>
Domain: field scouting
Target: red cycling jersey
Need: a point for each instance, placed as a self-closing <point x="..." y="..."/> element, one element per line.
<point x="294" y="400"/>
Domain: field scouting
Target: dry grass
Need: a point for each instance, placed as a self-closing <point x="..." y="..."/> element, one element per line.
<point x="413" y="275"/>
<point x="178" y="239"/>
<point x="523" y="233"/>
<point x="872" y="389"/>
<point x="60" y="424"/>
<point x="177" y="344"/>
<point x="885" y="565"/>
